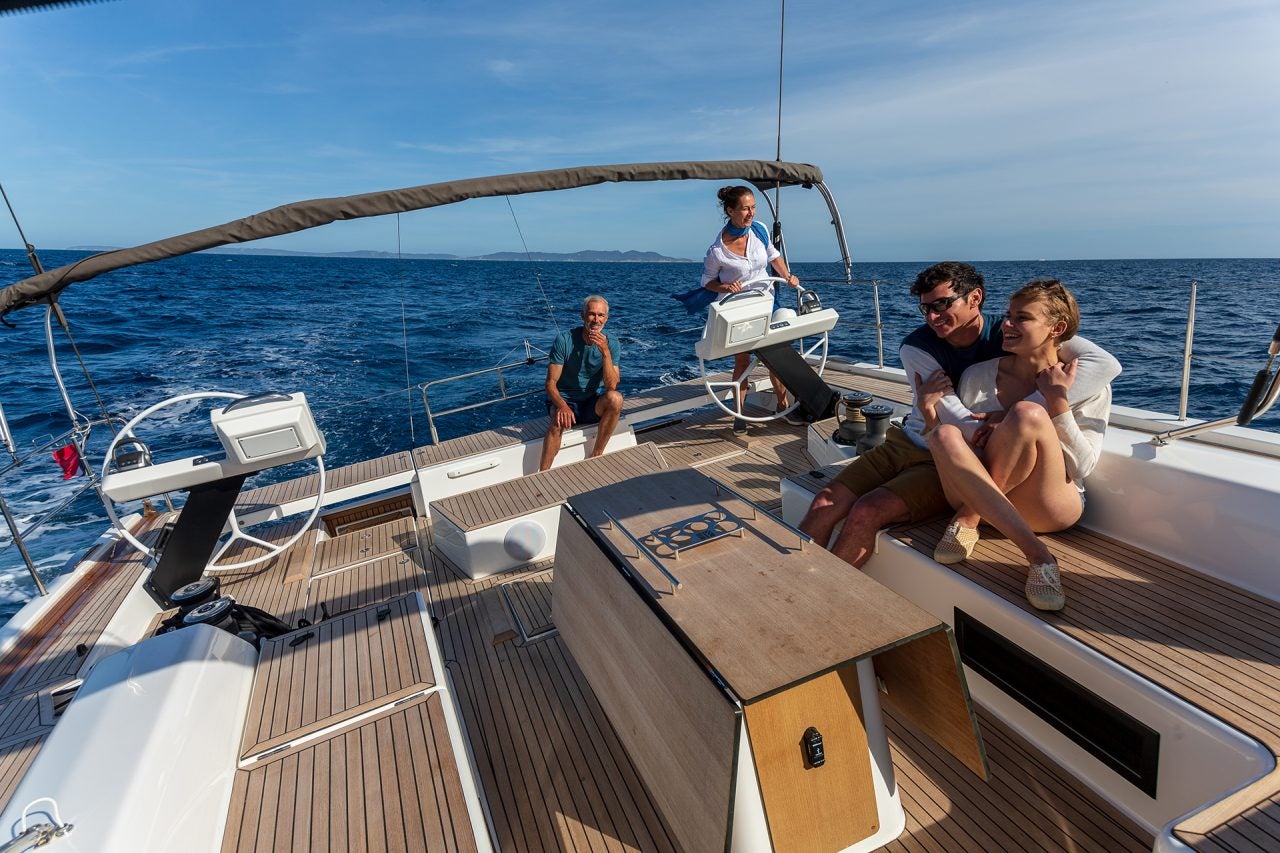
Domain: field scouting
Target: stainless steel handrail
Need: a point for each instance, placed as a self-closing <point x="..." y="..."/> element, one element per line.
<point x="503" y="395"/>
<point x="6" y="436"/>
<point x="641" y="550"/>
<point x="1164" y="438"/>
<point x="1257" y="402"/>
<point x="804" y="537"/>
<point x="1186" y="354"/>
<point x="61" y="439"/>
<point x="22" y="546"/>
<point x="76" y="435"/>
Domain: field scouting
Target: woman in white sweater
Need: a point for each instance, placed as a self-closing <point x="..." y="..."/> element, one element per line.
<point x="1028" y="474"/>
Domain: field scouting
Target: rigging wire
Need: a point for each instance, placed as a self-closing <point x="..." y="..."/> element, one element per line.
<point x="404" y="335"/>
<point x="782" y="40"/>
<point x="536" y="275"/>
<point x="31" y="250"/>
<point x="34" y="259"/>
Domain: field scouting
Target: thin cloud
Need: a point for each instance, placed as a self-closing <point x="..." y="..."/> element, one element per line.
<point x="285" y="89"/>
<point x="157" y="55"/>
<point x="501" y="68"/>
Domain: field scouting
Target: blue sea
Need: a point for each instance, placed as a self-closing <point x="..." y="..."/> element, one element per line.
<point x="354" y="334"/>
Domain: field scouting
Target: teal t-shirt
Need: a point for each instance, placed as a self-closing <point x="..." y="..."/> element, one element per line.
<point x="583" y="365"/>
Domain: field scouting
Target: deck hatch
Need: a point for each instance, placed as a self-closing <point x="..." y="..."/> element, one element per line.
<point x="1114" y="737"/>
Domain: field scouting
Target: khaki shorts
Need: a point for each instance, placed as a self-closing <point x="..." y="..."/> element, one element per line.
<point x="904" y="469"/>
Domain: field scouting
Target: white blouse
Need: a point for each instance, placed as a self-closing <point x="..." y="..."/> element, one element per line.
<point x="723" y="265"/>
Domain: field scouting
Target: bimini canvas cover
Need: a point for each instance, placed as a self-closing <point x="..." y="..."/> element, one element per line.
<point x="299" y="216"/>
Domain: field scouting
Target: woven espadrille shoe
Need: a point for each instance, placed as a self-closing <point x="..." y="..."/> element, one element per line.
<point x="1044" y="587"/>
<point x="956" y="544"/>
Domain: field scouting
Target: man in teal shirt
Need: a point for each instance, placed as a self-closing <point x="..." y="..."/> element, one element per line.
<point x="582" y="381"/>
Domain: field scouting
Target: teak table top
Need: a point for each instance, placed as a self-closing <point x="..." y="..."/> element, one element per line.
<point x="760" y="611"/>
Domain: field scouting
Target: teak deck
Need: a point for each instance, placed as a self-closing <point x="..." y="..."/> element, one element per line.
<point x="390" y="783"/>
<point x="336" y="479"/>
<point x="557" y="778"/>
<point x="552" y="769"/>
<point x="554" y="773"/>
<point x="1180" y="629"/>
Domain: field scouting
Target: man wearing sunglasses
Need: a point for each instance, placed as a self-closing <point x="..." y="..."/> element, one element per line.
<point x="897" y="481"/>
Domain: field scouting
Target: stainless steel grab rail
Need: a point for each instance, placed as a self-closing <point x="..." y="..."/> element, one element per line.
<point x="76" y="435"/>
<point x="529" y="360"/>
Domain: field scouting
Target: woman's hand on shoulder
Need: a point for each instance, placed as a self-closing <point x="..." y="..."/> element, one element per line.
<point x="1056" y="379"/>
<point x="1054" y="382"/>
<point x="932" y="389"/>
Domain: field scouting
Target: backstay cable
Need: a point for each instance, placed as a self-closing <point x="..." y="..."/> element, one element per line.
<point x="536" y="276"/>
<point x="782" y="40"/>
<point x="62" y="321"/>
<point x="404" y="334"/>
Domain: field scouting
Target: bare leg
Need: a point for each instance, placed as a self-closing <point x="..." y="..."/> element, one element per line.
<point x="608" y="407"/>
<point x="1024" y="458"/>
<point x="740" y="362"/>
<point x="779" y="391"/>
<point x="967" y="483"/>
<point x="550" y="444"/>
<point x="829" y="508"/>
<point x="876" y="509"/>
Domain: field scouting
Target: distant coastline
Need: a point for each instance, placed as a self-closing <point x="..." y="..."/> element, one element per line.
<point x="585" y="256"/>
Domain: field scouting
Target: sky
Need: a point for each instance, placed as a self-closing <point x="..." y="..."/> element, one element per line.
<point x="973" y="130"/>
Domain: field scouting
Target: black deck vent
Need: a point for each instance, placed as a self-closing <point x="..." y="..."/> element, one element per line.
<point x="1115" y="738"/>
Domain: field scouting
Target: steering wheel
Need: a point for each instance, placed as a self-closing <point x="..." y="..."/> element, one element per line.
<point x="272" y="550"/>
<point x="715" y="387"/>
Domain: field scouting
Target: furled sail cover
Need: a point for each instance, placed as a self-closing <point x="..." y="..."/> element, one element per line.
<point x="300" y="216"/>
<point x="8" y="6"/>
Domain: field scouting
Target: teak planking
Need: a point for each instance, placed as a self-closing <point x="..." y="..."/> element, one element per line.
<point x="48" y="651"/>
<point x="1185" y="631"/>
<point x="553" y="769"/>
<point x="357" y="586"/>
<point x="1029" y="803"/>
<point x="336" y="479"/>
<point x="389" y="784"/>
<point x="364" y="545"/>
<point x="334" y="670"/>
<point x="368" y="515"/>
<point x="529" y="599"/>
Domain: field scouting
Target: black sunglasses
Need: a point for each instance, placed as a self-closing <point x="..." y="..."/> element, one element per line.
<point x="937" y="306"/>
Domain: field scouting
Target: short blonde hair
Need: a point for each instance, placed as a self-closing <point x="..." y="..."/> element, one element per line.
<point x="1058" y="303"/>
<point x="595" y="297"/>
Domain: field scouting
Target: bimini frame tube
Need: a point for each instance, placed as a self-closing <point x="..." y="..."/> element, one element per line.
<point x="303" y="215"/>
<point x="847" y="261"/>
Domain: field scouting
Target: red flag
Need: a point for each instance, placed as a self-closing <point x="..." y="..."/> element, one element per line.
<point x="68" y="459"/>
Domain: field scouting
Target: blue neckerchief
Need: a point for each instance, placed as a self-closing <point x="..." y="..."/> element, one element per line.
<point x="700" y="297"/>
<point x="696" y="299"/>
